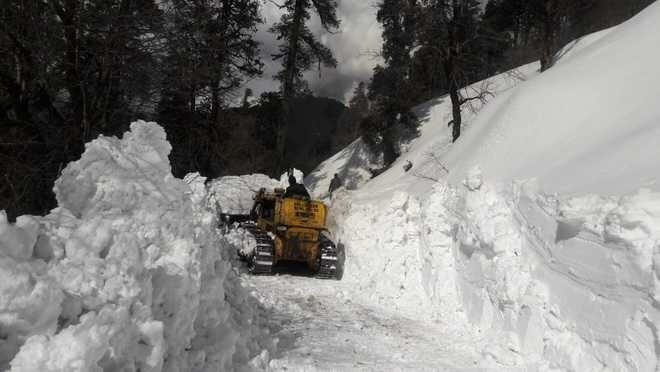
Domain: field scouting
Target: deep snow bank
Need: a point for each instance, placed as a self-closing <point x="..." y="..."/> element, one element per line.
<point x="567" y="283"/>
<point x="126" y="274"/>
<point x="536" y="281"/>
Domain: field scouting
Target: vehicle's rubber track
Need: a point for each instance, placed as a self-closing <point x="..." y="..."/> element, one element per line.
<point x="261" y="261"/>
<point x="329" y="261"/>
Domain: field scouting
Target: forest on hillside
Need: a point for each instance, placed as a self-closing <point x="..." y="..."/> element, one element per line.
<point x="71" y="70"/>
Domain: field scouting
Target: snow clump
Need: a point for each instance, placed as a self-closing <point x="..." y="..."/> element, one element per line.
<point x="234" y="194"/>
<point x="127" y="273"/>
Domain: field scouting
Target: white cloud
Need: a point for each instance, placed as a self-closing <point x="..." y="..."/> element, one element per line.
<point x="360" y="34"/>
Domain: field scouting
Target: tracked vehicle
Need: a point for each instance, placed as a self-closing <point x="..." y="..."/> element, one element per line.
<point x="287" y="229"/>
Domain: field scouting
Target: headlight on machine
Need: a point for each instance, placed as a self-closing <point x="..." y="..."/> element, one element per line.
<point x="281" y="228"/>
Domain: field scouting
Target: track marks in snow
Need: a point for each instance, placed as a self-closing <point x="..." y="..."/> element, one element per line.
<point x="322" y="325"/>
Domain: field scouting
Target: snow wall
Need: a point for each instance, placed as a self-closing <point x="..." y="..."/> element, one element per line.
<point x="537" y="280"/>
<point x="127" y="273"/>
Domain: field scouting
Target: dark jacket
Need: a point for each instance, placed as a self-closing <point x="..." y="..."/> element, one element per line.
<point x="296" y="189"/>
<point x="334" y="184"/>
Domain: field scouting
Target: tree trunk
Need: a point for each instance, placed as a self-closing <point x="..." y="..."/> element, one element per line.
<point x="69" y="14"/>
<point x="216" y="100"/>
<point x="550" y="32"/>
<point x="292" y="54"/>
<point x="449" y="65"/>
<point x="546" y="45"/>
<point x="116" y="61"/>
<point x="389" y="150"/>
<point x="288" y="90"/>
<point x="192" y="100"/>
<point x="455" y="108"/>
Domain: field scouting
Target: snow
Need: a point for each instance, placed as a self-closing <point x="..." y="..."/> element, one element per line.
<point x="242" y="239"/>
<point x="493" y="264"/>
<point x="589" y="124"/>
<point x="352" y="164"/>
<point x="297" y="174"/>
<point x="322" y="326"/>
<point x="579" y="44"/>
<point x="128" y="272"/>
<point x="233" y="194"/>
<point x="533" y="243"/>
<point x="533" y="239"/>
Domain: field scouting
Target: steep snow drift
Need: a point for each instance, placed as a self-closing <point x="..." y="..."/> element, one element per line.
<point x="539" y="280"/>
<point x="127" y="273"/>
<point x="589" y="124"/>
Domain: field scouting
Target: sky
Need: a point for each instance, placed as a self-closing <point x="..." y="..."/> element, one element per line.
<point x="353" y="46"/>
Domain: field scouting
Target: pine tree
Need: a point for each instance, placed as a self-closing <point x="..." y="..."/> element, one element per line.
<point x="98" y="41"/>
<point x="548" y="16"/>
<point x="246" y="96"/>
<point x="69" y="70"/>
<point x="211" y="49"/>
<point x="299" y="51"/>
<point x="553" y="21"/>
<point x="540" y="27"/>
<point x="390" y="89"/>
<point x="348" y="126"/>
<point x="234" y="50"/>
<point x="359" y="103"/>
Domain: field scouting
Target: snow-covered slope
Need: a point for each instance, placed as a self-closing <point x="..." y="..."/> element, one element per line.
<point x="424" y="152"/>
<point x="589" y="124"/>
<point x="476" y="236"/>
<point x="352" y="164"/>
<point x="126" y="274"/>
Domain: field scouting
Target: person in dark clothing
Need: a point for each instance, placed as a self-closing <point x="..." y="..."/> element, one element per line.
<point x="296" y="189"/>
<point x="334" y="184"/>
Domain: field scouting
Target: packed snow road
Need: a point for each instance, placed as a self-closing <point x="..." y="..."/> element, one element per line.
<point x="321" y="326"/>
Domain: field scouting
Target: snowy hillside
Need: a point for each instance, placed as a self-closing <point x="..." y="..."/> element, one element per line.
<point x="536" y="235"/>
<point x="590" y="124"/>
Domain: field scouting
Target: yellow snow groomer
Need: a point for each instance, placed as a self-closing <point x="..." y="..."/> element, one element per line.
<point x="288" y="229"/>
